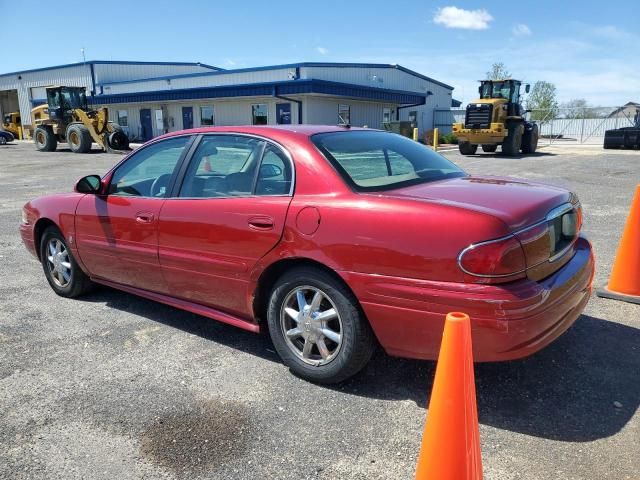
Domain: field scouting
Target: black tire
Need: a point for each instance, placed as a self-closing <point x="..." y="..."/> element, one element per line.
<point x="467" y="148"/>
<point x="118" y="140"/>
<point x="357" y="340"/>
<point x="79" y="138"/>
<point x="513" y="142"/>
<point x="489" y="148"/>
<point x="3" y="140"/>
<point x="530" y="140"/>
<point x="45" y="140"/>
<point x="78" y="282"/>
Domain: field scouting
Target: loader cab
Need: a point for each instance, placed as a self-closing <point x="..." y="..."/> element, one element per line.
<point x="505" y="89"/>
<point x="63" y="100"/>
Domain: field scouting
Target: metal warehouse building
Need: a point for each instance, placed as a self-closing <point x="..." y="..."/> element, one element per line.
<point x="151" y="98"/>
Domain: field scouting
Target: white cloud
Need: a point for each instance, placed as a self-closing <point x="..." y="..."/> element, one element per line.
<point x="521" y="30"/>
<point x="322" y="50"/>
<point x="230" y="63"/>
<point x="454" y="17"/>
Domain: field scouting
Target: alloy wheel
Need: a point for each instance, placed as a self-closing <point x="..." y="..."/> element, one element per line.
<point x="58" y="262"/>
<point x="311" y="325"/>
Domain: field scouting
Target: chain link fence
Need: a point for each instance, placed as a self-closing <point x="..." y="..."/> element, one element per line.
<point x="562" y="125"/>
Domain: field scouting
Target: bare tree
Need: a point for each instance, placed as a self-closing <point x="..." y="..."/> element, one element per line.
<point x="580" y="108"/>
<point x="498" y="72"/>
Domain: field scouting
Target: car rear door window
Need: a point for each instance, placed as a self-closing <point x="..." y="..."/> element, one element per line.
<point x="274" y="176"/>
<point x="223" y="166"/>
<point x="148" y="172"/>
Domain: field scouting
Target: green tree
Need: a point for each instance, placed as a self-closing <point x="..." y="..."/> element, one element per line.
<point x="542" y="101"/>
<point x="498" y="72"/>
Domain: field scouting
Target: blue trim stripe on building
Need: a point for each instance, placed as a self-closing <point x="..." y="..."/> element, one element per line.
<point x="269" y="89"/>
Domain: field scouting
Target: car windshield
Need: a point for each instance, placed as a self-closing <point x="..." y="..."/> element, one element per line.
<point x="374" y="160"/>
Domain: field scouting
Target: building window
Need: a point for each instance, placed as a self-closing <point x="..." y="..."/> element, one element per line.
<point x="413" y="117"/>
<point x="206" y="116"/>
<point x="260" y="114"/>
<point x="386" y="115"/>
<point x="344" y="114"/>
<point x="123" y="118"/>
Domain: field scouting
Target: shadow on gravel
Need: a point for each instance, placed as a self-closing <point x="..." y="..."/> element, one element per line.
<point x="258" y="345"/>
<point x="565" y="392"/>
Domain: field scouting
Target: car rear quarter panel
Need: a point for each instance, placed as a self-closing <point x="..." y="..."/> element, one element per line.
<point x="373" y="233"/>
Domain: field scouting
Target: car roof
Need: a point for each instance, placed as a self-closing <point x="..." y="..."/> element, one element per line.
<point x="269" y="130"/>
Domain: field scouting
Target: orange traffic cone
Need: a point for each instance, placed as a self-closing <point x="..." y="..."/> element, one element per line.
<point x="451" y="442"/>
<point x="624" y="283"/>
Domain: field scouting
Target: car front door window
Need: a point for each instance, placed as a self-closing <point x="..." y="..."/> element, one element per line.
<point x="148" y="173"/>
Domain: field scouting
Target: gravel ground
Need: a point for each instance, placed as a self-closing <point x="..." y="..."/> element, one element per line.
<point x="114" y="386"/>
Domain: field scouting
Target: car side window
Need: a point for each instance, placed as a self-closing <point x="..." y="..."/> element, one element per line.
<point x="222" y="166"/>
<point x="147" y="173"/>
<point x="274" y="176"/>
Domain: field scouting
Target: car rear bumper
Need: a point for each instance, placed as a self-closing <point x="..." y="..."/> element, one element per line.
<point x="509" y="321"/>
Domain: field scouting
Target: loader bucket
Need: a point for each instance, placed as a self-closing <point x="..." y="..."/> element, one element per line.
<point x="627" y="137"/>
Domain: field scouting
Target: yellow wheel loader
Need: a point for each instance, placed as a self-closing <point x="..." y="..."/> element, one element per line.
<point x="497" y="118"/>
<point x="66" y="118"/>
<point x="12" y="124"/>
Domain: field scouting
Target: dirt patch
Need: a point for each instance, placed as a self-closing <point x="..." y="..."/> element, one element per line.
<point x="202" y="438"/>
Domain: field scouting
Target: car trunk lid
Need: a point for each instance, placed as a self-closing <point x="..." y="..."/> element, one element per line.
<point x="545" y="219"/>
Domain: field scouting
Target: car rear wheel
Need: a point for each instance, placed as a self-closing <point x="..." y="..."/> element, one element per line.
<point x="61" y="269"/>
<point x="3" y="140"/>
<point x="317" y="326"/>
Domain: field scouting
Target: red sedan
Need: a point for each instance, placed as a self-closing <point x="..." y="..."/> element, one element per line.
<point x="336" y="239"/>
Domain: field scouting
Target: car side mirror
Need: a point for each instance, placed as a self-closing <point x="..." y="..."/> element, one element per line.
<point x="270" y="171"/>
<point x="527" y="87"/>
<point x="89" y="184"/>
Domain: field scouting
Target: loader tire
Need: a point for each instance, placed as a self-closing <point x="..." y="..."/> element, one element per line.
<point x="489" y="148"/>
<point x="118" y="140"/>
<point x="513" y="142"/>
<point x="45" y="140"/>
<point x="467" y="148"/>
<point x="79" y="138"/>
<point x="530" y="140"/>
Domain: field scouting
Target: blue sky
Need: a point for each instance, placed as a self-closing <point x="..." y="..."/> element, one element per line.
<point x="588" y="49"/>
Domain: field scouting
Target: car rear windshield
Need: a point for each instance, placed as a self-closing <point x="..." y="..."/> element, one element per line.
<point x="375" y="160"/>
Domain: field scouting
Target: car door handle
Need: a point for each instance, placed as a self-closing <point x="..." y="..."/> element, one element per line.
<point x="144" y="217"/>
<point x="261" y="223"/>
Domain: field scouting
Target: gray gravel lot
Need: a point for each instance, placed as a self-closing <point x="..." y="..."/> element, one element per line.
<point x="114" y="386"/>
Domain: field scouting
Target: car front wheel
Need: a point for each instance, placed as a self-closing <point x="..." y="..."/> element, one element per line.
<point x="61" y="269"/>
<point x="317" y="327"/>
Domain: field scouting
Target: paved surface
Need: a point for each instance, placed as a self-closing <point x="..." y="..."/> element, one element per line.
<point x="114" y="386"/>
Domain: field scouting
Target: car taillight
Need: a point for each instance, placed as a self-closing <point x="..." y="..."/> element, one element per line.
<point x="496" y="259"/>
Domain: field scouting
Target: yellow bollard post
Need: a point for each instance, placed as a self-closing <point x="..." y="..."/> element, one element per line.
<point x="20" y="134"/>
<point x="415" y="134"/>
<point x="435" y="139"/>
